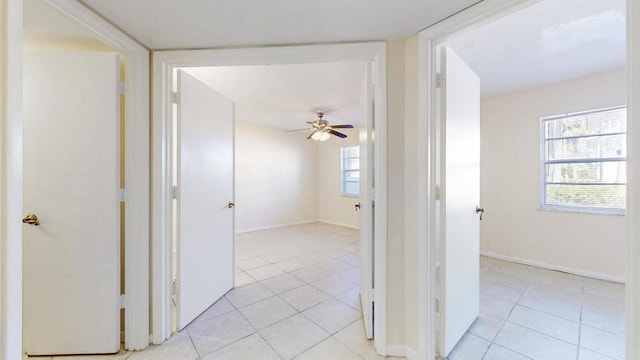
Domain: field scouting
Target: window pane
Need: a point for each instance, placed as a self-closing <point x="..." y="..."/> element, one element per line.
<point x="351" y="164"/>
<point x="351" y="152"/>
<point x="597" y="172"/>
<point x="603" y="122"/>
<point x="606" y="146"/>
<point x="353" y="176"/>
<point x="352" y="188"/>
<point x="605" y="196"/>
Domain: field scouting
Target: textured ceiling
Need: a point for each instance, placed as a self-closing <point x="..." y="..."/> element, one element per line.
<point x="171" y="24"/>
<point x="286" y="96"/>
<point x="549" y="42"/>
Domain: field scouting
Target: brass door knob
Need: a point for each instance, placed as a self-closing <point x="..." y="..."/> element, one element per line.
<point x="31" y="219"/>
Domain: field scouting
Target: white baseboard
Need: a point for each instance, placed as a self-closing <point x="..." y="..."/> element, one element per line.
<point x="338" y="224"/>
<point x="275" y="226"/>
<point x="402" y="351"/>
<point x="585" y="273"/>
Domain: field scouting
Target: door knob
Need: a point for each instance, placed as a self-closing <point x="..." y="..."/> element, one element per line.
<point x="230" y="205"/>
<point x="357" y="206"/>
<point x="480" y="211"/>
<point x="31" y="219"/>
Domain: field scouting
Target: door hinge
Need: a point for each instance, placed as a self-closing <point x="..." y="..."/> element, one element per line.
<point x="122" y="87"/>
<point x="123" y="195"/>
<point x="438" y="192"/>
<point x="175" y="97"/>
<point x="437" y="305"/>
<point x="439" y="80"/>
<point x="122" y="301"/>
<point x="174" y="192"/>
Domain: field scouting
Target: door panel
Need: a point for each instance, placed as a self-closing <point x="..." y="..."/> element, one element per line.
<point x="460" y="183"/>
<point x="205" y="182"/>
<point x="366" y="203"/>
<point x="71" y="181"/>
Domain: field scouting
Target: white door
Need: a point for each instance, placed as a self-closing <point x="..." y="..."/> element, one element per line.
<point x="71" y="183"/>
<point x="367" y="206"/>
<point x="205" y="197"/>
<point x="460" y="194"/>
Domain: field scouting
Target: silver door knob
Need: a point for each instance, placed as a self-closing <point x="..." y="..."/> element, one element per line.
<point x="230" y="205"/>
<point x="357" y="206"/>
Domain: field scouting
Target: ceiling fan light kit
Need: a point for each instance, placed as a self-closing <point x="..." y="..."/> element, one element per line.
<point x="322" y="131"/>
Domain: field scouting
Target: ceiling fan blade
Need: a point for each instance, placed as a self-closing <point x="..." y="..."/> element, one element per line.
<point x="338" y="134"/>
<point x="310" y="135"/>
<point x="296" y="130"/>
<point x="342" y="126"/>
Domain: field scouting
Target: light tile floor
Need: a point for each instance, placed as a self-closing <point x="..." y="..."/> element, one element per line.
<point x="297" y="296"/>
<point x="532" y="313"/>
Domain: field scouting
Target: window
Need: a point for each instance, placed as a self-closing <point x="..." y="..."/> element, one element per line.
<point x="350" y="170"/>
<point x="584" y="161"/>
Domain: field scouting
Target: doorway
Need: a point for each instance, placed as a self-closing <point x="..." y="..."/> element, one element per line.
<point x="211" y="58"/>
<point x="578" y="289"/>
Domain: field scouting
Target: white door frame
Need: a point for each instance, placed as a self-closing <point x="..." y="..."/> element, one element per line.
<point x="428" y="40"/>
<point x="136" y="167"/>
<point x="164" y="63"/>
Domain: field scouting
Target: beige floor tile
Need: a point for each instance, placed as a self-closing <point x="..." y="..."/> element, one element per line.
<point x="500" y="291"/>
<point x="565" y="303"/>
<point x="553" y="326"/>
<point x="351" y="297"/>
<point x="214" y="333"/>
<point x="249" y="348"/>
<point x="486" y="326"/>
<point x="267" y="312"/>
<point x="311" y="273"/>
<point x="534" y="344"/>
<point x="602" y="342"/>
<point x="332" y="315"/>
<point x="353" y="337"/>
<point x="603" y="288"/>
<point x="470" y="347"/>
<point x="304" y="297"/>
<point x="248" y="294"/>
<point x="333" y="285"/>
<point x="265" y="272"/>
<point x="293" y="336"/>
<point x="603" y="313"/>
<point x="329" y="349"/>
<point x="495" y="307"/>
<point x="282" y="283"/>
<point x="497" y="352"/>
<point x="178" y="346"/>
<point x="242" y="279"/>
<point x="292" y="264"/>
<point x="590" y="355"/>
<point x="252" y="263"/>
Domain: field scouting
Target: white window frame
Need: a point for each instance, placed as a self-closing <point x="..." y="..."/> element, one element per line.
<point x="543" y="169"/>
<point x="343" y="174"/>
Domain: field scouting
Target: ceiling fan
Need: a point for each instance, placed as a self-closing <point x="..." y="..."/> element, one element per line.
<point x="322" y="131"/>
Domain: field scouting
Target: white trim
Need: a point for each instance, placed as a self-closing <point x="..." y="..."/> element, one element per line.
<point x="543" y="265"/>
<point x="339" y="224"/>
<point x="11" y="181"/>
<point x="396" y="350"/>
<point x="136" y="166"/>
<point x="410" y="353"/>
<point x="633" y="182"/>
<point x="165" y="62"/>
<point x="276" y="226"/>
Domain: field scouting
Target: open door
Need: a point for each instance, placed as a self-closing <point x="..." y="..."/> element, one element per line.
<point x="204" y="197"/>
<point x="459" y="179"/>
<point x="71" y="188"/>
<point x="367" y="203"/>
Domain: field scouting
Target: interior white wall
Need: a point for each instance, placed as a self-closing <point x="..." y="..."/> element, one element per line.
<point x="513" y="224"/>
<point x="276" y="178"/>
<point x="334" y="208"/>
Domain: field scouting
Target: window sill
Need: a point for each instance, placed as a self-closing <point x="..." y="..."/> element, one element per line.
<point x="350" y="195"/>
<point x="591" y="211"/>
